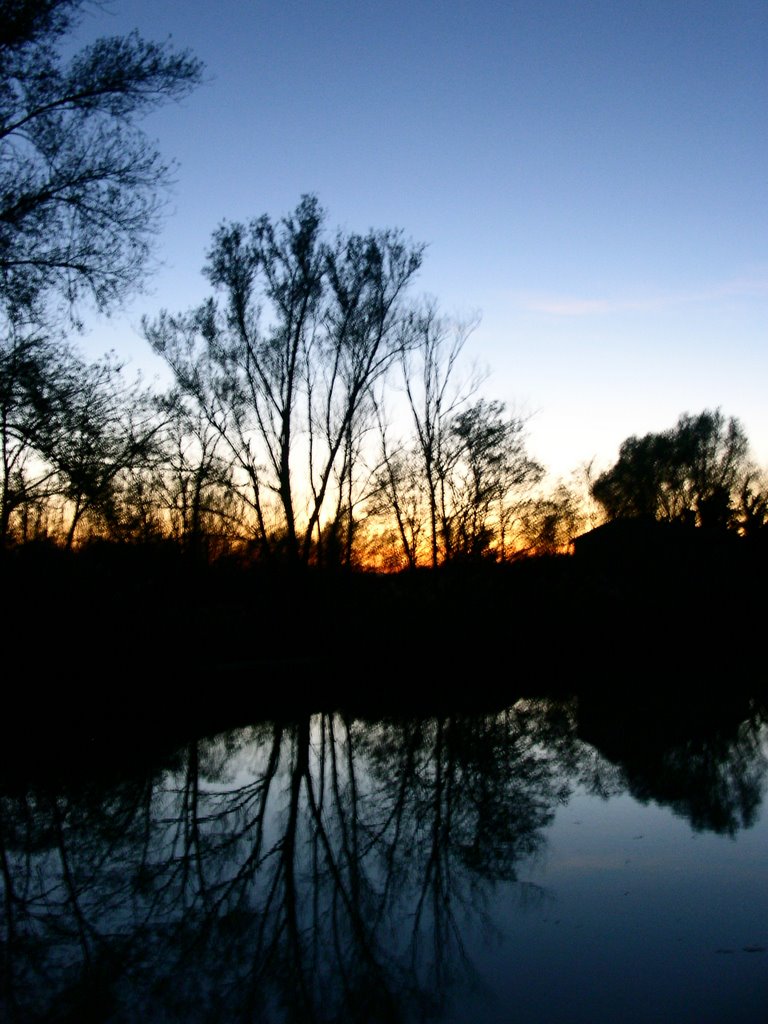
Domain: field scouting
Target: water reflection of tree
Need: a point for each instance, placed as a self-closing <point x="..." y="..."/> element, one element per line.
<point x="321" y="869"/>
<point x="466" y="808"/>
<point x="706" y="760"/>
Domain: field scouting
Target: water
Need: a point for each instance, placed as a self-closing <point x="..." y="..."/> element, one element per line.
<point x="552" y="862"/>
<point x="641" y="919"/>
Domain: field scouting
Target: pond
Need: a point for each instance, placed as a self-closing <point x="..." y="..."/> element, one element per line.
<point x="572" y="860"/>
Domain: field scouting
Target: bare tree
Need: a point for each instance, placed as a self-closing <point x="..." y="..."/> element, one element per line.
<point x="291" y="397"/>
<point x="104" y="428"/>
<point x="194" y="482"/>
<point x="428" y="362"/>
<point x="29" y="366"/>
<point x="488" y="466"/>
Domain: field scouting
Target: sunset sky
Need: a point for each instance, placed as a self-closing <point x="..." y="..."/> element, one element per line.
<point x="592" y="177"/>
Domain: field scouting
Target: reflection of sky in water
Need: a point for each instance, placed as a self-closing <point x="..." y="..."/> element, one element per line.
<point x="643" y="920"/>
<point x="370" y="835"/>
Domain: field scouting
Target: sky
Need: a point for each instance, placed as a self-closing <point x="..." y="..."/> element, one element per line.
<point x="590" y="177"/>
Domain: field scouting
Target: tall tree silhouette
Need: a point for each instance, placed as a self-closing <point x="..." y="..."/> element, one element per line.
<point x="692" y="472"/>
<point x="81" y="192"/>
<point x="289" y="395"/>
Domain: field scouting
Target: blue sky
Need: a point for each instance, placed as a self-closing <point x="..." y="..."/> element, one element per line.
<point x="592" y="177"/>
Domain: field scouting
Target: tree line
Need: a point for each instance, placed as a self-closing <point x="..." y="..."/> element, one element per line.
<point x="318" y="413"/>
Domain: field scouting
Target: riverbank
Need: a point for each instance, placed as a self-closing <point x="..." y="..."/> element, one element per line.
<point x="131" y="634"/>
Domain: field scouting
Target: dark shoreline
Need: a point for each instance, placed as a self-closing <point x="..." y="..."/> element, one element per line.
<point x="132" y="637"/>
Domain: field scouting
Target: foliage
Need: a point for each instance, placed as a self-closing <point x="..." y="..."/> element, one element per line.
<point x="68" y="430"/>
<point x="691" y="473"/>
<point x="80" y="189"/>
<point x="487" y="466"/>
<point x="31" y="371"/>
<point x="550" y="522"/>
<point x="79" y="181"/>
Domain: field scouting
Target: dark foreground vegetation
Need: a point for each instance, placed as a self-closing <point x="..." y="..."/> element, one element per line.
<point x="122" y="637"/>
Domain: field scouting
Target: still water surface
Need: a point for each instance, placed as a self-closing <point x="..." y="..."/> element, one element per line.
<point x="552" y="862"/>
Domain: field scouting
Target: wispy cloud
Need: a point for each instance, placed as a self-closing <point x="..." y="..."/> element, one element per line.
<point x="650" y="302"/>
